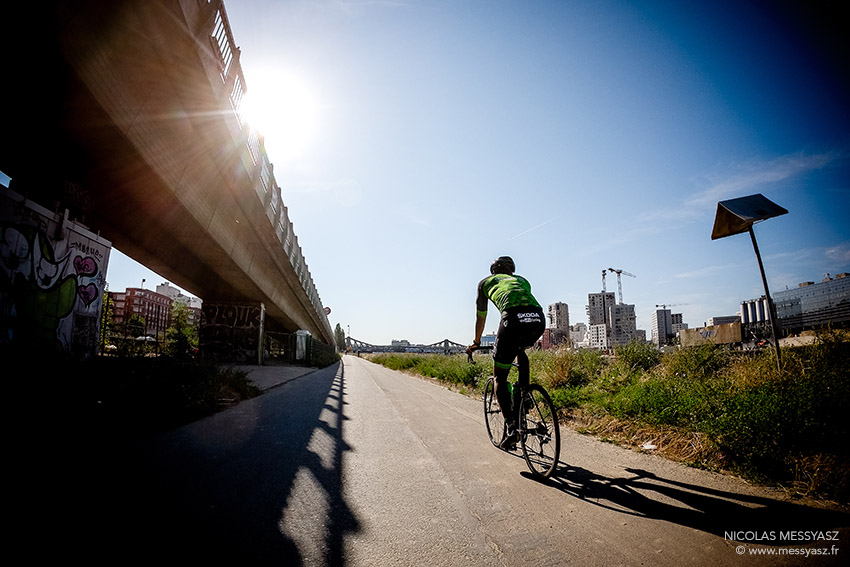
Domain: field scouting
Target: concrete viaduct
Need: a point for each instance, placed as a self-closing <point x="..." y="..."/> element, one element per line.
<point x="126" y="115"/>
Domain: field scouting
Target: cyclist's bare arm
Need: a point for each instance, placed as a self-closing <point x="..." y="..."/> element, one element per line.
<point x="480" y="321"/>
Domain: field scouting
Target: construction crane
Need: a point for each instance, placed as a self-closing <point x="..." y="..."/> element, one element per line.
<point x="619" y="282"/>
<point x="603" y="280"/>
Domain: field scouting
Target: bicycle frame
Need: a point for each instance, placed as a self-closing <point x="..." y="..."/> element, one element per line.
<point x="537" y="424"/>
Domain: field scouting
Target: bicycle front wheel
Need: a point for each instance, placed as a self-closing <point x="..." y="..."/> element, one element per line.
<point x="493" y="417"/>
<point x="540" y="435"/>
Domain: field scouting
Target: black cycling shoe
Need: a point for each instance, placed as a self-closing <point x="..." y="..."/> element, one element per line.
<point x="510" y="440"/>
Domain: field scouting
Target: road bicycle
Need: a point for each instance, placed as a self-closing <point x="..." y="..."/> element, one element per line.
<point x="537" y="426"/>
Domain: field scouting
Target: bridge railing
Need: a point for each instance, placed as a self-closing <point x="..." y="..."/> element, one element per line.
<point x="262" y="170"/>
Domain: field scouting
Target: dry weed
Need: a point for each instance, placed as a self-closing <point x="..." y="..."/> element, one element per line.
<point x="689" y="447"/>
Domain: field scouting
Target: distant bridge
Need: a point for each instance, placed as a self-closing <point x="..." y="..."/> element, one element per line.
<point x="442" y="347"/>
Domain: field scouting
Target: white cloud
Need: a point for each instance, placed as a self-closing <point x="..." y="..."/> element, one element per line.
<point x="746" y="177"/>
<point x="736" y="180"/>
<point x="839" y="253"/>
<point x="708" y="270"/>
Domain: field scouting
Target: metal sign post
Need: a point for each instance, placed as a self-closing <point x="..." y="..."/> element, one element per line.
<point x="737" y="216"/>
<point x="771" y="307"/>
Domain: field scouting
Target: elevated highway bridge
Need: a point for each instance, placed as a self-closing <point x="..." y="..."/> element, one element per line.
<point x="125" y="118"/>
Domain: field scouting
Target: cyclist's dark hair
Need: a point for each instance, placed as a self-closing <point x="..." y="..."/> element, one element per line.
<point x="503" y="265"/>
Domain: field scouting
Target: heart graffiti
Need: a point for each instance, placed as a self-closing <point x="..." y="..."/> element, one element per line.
<point x="85" y="266"/>
<point x="87" y="293"/>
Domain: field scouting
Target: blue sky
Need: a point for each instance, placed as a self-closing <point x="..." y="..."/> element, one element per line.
<point x="431" y="136"/>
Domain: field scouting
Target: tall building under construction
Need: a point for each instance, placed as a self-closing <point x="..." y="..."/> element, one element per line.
<point x="558" y="331"/>
<point x="610" y="323"/>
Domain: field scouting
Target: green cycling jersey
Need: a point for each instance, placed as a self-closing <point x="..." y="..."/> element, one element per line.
<point x="505" y="291"/>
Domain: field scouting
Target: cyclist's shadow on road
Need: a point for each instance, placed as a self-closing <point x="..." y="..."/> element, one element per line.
<point x="714" y="511"/>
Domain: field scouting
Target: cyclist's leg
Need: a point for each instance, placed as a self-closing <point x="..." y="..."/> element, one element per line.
<point x="521" y="383"/>
<point x="504" y="351"/>
<point x="531" y="329"/>
<point x="522" y="370"/>
<point x="503" y="395"/>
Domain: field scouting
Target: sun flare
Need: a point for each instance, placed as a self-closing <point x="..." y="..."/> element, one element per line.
<point x="285" y="111"/>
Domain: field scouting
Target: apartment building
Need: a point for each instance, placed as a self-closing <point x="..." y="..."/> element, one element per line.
<point x="558" y="331"/>
<point x="597" y="307"/>
<point x="559" y="317"/>
<point x="578" y="333"/>
<point x="194" y="304"/>
<point x="623" y="324"/>
<point x="153" y="307"/>
<point x="618" y="320"/>
<point x="597" y="336"/>
<point x="662" y="326"/>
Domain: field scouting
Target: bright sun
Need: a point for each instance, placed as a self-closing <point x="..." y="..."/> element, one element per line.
<point x="283" y="109"/>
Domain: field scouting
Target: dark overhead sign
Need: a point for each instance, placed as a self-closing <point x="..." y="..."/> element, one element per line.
<point x="738" y="215"/>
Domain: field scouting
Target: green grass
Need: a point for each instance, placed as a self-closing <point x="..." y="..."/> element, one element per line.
<point x="454" y="370"/>
<point x="786" y="427"/>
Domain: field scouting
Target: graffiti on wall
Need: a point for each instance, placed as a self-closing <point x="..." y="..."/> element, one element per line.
<point x="230" y="315"/>
<point x="52" y="276"/>
<point x="231" y="332"/>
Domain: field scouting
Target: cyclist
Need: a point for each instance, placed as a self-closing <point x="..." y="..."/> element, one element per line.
<point x="522" y="323"/>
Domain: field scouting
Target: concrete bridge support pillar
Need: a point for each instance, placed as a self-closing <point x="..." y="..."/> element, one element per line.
<point x="52" y="280"/>
<point x="233" y="332"/>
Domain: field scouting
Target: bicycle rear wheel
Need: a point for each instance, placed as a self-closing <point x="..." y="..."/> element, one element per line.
<point x="540" y="434"/>
<point x="493" y="417"/>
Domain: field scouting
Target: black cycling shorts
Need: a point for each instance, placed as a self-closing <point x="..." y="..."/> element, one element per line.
<point x="519" y="329"/>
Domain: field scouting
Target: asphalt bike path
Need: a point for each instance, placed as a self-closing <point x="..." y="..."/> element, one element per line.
<point x="606" y="505"/>
<point x="357" y="465"/>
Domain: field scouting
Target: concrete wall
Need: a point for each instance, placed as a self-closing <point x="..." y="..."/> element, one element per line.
<point x="52" y="277"/>
<point x="232" y="332"/>
<point x="728" y="333"/>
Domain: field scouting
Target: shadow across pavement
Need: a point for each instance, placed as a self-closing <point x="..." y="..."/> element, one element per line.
<point x="260" y="482"/>
<point x="730" y="515"/>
